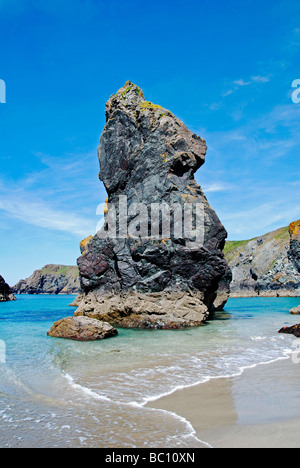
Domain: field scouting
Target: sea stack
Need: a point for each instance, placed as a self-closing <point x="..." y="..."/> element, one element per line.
<point x="5" y="292"/>
<point x="139" y="272"/>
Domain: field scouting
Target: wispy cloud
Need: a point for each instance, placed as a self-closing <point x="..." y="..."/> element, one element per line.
<point x="20" y="206"/>
<point x="260" y="219"/>
<point x="261" y="137"/>
<point x="62" y="196"/>
<point x="241" y="83"/>
<point x="250" y="167"/>
<point x="218" y="187"/>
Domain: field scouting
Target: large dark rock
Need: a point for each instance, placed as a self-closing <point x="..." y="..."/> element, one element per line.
<point x="150" y="156"/>
<point x="5" y="292"/>
<point x="294" y="330"/>
<point x="52" y="279"/>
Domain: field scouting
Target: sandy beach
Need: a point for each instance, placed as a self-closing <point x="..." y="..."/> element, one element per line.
<point x="258" y="409"/>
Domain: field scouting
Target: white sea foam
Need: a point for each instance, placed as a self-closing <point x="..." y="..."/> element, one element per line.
<point x="259" y="338"/>
<point x="85" y="390"/>
<point x="190" y="432"/>
<point x="177" y="388"/>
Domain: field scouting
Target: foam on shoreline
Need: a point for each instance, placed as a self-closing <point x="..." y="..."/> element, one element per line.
<point x="215" y="412"/>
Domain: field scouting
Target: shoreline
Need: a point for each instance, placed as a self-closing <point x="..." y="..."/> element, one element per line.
<point x="256" y="409"/>
<point x="47" y="294"/>
<point x="233" y="295"/>
<point x="265" y="294"/>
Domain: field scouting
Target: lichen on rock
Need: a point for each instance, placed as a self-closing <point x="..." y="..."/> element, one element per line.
<point x="294" y="252"/>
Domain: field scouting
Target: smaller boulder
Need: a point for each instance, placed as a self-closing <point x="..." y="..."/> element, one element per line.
<point x="82" y="329"/>
<point x="295" y="330"/>
<point x="295" y="311"/>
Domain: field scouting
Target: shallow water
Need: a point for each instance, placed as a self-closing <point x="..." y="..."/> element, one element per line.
<point x="58" y="393"/>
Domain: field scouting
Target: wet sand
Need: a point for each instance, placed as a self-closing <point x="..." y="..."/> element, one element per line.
<point x="258" y="409"/>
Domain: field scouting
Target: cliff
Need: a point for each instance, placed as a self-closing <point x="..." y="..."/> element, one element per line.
<point x="52" y="279"/>
<point x="5" y="292"/>
<point x="267" y="265"/>
<point x="158" y="260"/>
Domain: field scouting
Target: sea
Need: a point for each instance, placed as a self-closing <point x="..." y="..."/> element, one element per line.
<point x="60" y="393"/>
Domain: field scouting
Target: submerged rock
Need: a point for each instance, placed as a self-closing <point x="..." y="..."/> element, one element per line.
<point x="82" y="329"/>
<point x="142" y="273"/>
<point x="5" y="292"/>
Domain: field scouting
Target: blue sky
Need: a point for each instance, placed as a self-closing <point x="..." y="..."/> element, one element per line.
<point x="224" y="68"/>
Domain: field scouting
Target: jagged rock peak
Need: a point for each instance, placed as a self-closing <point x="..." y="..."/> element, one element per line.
<point x="141" y="140"/>
<point x="128" y="95"/>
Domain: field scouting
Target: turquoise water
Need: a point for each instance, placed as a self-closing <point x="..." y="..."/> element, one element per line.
<point x="58" y="393"/>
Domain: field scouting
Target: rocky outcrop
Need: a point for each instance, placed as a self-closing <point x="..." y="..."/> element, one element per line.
<point x="134" y="309"/>
<point x="142" y="274"/>
<point x="266" y="265"/>
<point x="82" y="329"/>
<point x="295" y="311"/>
<point x="294" y="330"/>
<point x="5" y="292"/>
<point x="52" y="279"/>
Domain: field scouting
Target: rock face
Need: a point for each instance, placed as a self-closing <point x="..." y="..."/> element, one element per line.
<point x="52" y="279"/>
<point x="5" y="292"/>
<point x="82" y="329"/>
<point x="137" y="279"/>
<point x="266" y="265"/>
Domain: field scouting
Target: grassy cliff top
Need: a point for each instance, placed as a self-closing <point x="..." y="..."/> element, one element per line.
<point x="59" y="270"/>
